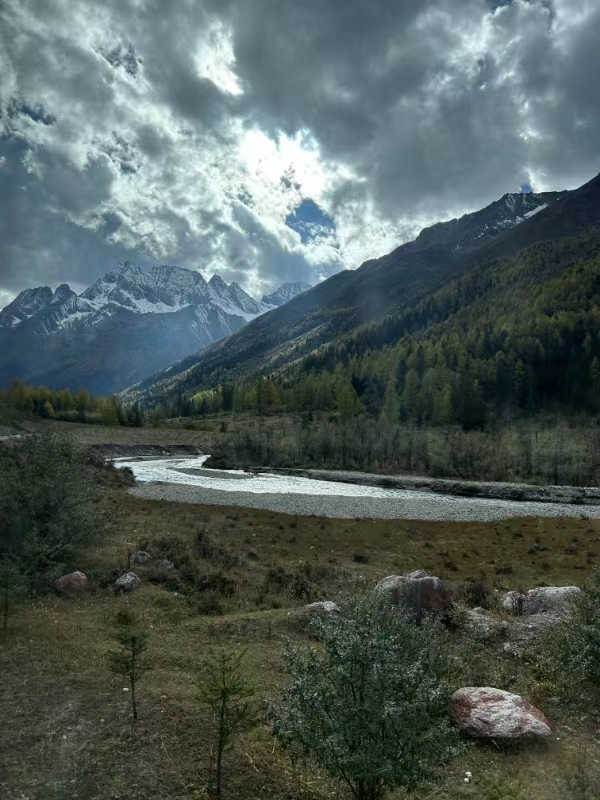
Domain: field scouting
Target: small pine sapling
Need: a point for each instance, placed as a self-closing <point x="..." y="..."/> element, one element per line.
<point x="228" y="695"/>
<point x="131" y="658"/>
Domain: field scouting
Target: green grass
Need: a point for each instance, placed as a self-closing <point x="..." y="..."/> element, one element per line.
<point x="66" y="730"/>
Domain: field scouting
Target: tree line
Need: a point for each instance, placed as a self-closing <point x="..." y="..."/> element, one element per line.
<point x="20" y="400"/>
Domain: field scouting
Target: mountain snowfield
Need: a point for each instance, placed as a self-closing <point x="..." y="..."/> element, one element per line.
<point x="163" y="290"/>
<point x="124" y="327"/>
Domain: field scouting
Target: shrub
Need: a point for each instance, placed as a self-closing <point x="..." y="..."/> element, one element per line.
<point x="368" y="704"/>
<point x="48" y="506"/>
<point x="571" y="651"/>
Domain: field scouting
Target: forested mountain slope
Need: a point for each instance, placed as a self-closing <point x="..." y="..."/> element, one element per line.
<point x="335" y="309"/>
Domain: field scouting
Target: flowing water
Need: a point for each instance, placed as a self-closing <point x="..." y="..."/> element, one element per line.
<point x="188" y="480"/>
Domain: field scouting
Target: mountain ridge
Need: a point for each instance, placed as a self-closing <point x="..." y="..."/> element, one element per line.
<point x="380" y="287"/>
<point x="44" y="334"/>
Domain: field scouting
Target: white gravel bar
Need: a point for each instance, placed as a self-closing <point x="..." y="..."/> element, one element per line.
<point x="186" y="480"/>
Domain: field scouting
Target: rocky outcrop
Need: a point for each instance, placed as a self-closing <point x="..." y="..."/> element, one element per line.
<point x="489" y="713"/>
<point x="72" y="584"/>
<point x="418" y="592"/>
<point x="127" y="582"/>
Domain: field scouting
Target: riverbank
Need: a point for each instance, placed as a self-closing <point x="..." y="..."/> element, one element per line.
<point x="399" y="505"/>
<point x="516" y="492"/>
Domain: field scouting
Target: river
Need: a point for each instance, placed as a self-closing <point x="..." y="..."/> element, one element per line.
<point x="188" y="480"/>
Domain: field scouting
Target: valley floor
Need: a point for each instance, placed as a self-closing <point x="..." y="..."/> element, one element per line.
<point x="66" y="732"/>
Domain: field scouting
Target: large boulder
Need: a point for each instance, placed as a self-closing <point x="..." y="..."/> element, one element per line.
<point x="417" y="591"/>
<point x="127" y="582"/>
<point x="542" y="600"/>
<point x="74" y="583"/>
<point x="550" y="600"/>
<point x="141" y="557"/>
<point x="488" y="713"/>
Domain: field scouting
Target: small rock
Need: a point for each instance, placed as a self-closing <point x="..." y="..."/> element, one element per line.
<point x="166" y="565"/>
<point x="141" y="557"/>
<point x="322" y="608"/>
<point x="488" y="713"/>
<point x="418" y="591"/>
<point x="74" y="583"/>
<point x="127" y="582"/>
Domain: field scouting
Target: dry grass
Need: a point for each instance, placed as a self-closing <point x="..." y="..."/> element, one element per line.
<point x="66" y="730"/>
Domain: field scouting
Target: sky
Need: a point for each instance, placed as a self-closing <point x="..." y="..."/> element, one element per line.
<point x="277" y="140"/>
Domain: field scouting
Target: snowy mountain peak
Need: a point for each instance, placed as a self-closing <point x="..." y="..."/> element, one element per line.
<point x="286" y="293"/>
<point x="126" y="288"/>
<point x="217" y="284"/>
<point x="473" y="229"/>
<point x="62" y="293"/>
<point x="25" y="305"/>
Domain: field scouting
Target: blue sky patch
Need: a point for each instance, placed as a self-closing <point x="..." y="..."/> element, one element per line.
<point x="309" y="221"/>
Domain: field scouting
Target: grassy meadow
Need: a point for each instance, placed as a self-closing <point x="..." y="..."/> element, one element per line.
<point x="66" y="728"/>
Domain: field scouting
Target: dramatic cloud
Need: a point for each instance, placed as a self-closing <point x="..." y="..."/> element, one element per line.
<point x="272" y="140"/>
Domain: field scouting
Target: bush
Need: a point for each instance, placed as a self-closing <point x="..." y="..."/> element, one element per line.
<point x="571" y="651"/>
<point x="368" y="704"/>
<point x="48" y="506"/>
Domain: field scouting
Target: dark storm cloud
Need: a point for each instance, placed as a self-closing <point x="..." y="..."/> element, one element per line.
<point x="437" y="106"/>
<point x="124" y="126"/>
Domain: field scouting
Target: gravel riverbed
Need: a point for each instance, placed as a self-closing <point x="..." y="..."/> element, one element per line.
<point x="399" y="504"/>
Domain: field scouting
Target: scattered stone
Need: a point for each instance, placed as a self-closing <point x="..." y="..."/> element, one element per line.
<point x="166" y="565"/>
<point x="74" y="583"/>
<point x="141" y="557"/>
<point x="418" y="591"/>
<point x="489" y="713"/>
<point x="127" y="582"/>
<point x="550" y="600"/>
<point x="322" y="608"/>
<point x="480" y="626"/>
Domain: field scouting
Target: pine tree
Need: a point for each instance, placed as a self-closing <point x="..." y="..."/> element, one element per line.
<point x="131" y="658"/>
<point x="229" y="697"/>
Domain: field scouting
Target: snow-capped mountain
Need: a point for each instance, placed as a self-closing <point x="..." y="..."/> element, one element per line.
<point x="25" y="305"/>
<point x="128" y="324"/>
<point x="285" y="293"/>
<point x="163" y="290"/>
<point x="474" y="229"/>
